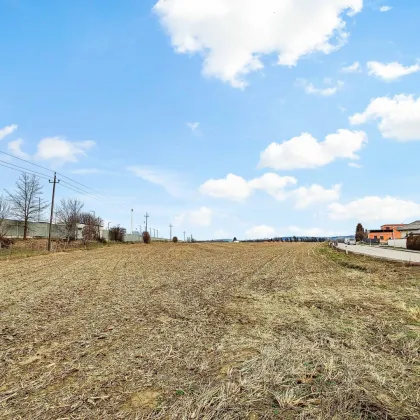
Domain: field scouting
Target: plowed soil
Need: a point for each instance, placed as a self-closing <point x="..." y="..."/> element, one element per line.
<point x="209" y="331"/>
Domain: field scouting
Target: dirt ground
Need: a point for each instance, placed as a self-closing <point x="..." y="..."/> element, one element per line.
<point x="209" y="331"/>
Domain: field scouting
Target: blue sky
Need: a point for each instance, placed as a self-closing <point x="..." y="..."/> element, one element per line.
<point x="223" y="117"/>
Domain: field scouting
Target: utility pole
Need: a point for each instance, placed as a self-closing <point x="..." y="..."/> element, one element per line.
<point x="154" y="233"/>
<point x="54" y="182"/>
<point x="150" y="231"/>
<point x="157" y="233"/>
<point x="170" y="232"/>
<point x="184" y="235"/>
<point x="132" y="221"/>
<point x="146" y="217"/>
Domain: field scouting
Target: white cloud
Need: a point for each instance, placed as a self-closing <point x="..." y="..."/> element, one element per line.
<point x="168" y="180"/>
<point x="9" y="129"/>
<point x="306" y="152"/>
<point x="273" y="184"/>
<point x="200" y="217"/>
<point x="232" y="187"/>
<point x="15" y="148"/>
<point x="355" y="165"/>
<point x="315" y="194"/>
<point x="260" y="232"/>
<point x="234" y="35"/>
<point x="391" y="71"/>
<point x="399" y="117"/>
<point x="62" y="150"/>
<point x="310" y="89"/>
<point x="193" y="125"/>
<point x="368" y="209"/>
<point x="385" y="8"/>
<point x="236" y="188"/>
<point x="353" y="68"/>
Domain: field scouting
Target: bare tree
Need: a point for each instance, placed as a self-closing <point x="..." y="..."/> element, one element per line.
<point x="68" y="216"/>
<point x="117" y="234"/>
<point x="4" y="215"/>
<point x="26" y="203"/>
<point x="92" y="224"/>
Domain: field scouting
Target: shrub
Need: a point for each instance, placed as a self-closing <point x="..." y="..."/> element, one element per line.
<point x="146" y="237"/>
<point x="117" y="234"/>
<point x="413" y="242"/>
<point x="6" y="242"/>
<point x="175" y="239"/>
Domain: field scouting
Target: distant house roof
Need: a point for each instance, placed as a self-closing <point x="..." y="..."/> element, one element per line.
<point x="411" y="226"/>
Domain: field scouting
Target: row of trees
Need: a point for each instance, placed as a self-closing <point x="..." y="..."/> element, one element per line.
<point x="289" y="239"/>
<point x="27" y="205"/>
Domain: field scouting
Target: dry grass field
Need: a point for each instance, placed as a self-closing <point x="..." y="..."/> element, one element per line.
<point x="209" y="331"/>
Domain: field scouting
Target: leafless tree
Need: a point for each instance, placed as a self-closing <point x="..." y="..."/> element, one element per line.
<point x="68" y="217"/>
<point x="4" y="215"/>
<point x="92" y="224"/>
<point x="26" y="203"/>
<point x="117" y="234"/>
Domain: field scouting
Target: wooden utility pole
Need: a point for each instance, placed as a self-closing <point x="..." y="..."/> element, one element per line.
<point x="52" y="208"/>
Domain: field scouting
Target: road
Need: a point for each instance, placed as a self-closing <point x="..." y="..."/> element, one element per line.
<point x="383" y="253"/>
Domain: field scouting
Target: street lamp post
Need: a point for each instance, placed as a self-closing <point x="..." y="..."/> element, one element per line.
<point x="132" y="211"/>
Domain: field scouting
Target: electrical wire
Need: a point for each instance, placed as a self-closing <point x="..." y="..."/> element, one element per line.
<point x="46" y="169"/>
<point x="22" y="169"/>
<point x="78" y="190"/>
<point x="83" y="185"/>
<point x="29" y="171"/>
<point x="26" y="161"/>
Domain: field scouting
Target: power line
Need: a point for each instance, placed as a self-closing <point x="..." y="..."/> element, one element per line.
<point x="75" y="189"/>
<point x="26" y="161"/>
<point x="46" y="169"/>
<point x="83" y="185"/>
<point x="45" y="176"/>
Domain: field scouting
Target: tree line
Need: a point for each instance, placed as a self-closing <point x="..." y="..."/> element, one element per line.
<point x="26" y="204"/>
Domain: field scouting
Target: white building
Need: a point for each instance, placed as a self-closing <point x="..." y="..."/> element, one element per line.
<point x="413" y="228"/>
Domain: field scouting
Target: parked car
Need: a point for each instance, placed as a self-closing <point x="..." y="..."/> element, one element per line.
<point x="350" y="241"/>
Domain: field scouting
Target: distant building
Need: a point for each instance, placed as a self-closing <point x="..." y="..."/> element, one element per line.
<point x="386" y="232"/>
<point x="413" y="228"/>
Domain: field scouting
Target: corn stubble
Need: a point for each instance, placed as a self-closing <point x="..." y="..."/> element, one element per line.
<point x="209" y="331"/>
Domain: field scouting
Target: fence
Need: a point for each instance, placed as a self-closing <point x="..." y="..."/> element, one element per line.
<point x="15" y="229"/>
<point x="128" y="237"/>
<point x="398" y="243"/>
